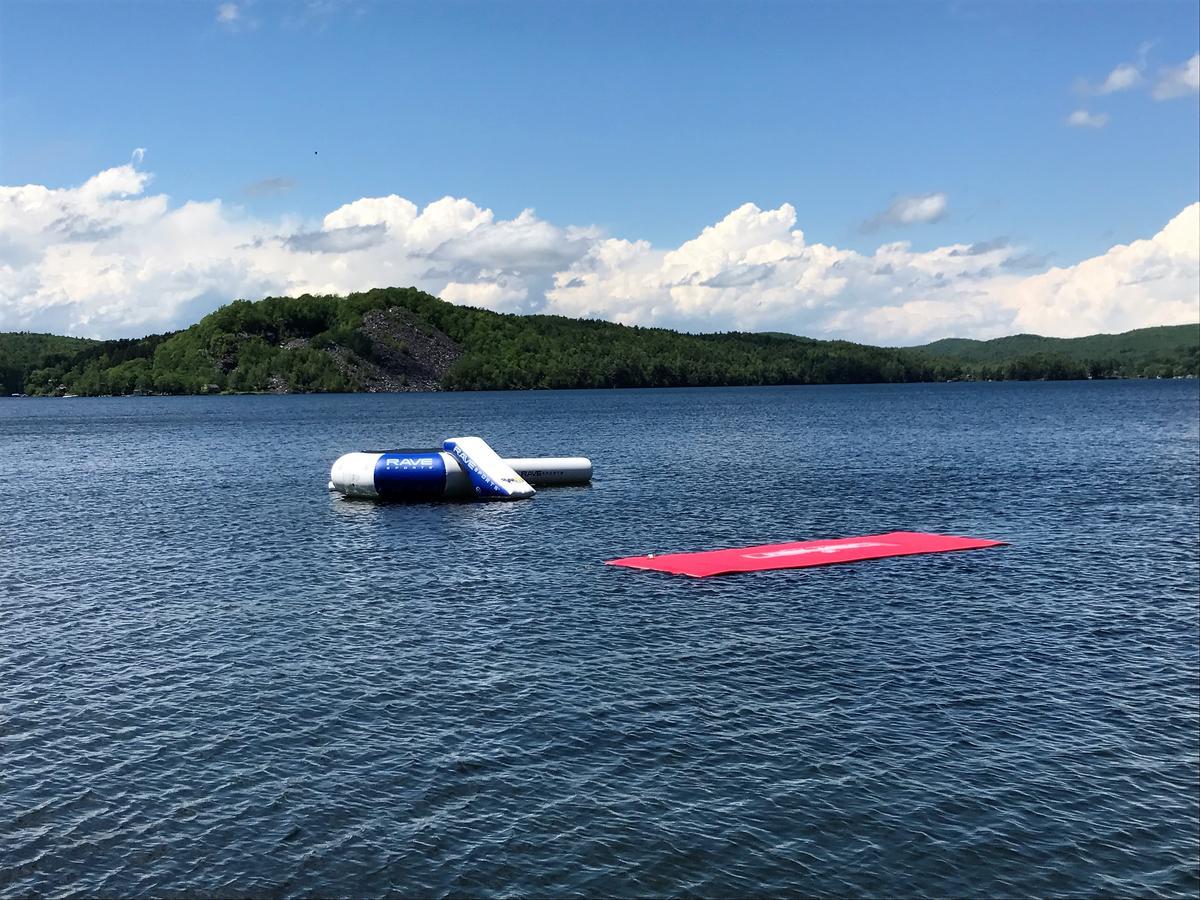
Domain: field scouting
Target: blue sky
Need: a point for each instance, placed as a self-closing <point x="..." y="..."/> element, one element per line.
<point x="648" y="120"/>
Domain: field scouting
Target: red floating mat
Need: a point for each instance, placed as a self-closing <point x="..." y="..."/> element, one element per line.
<point x="802" y="554"/>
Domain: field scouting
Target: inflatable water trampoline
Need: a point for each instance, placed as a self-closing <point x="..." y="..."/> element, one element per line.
<point x="465" y="468"/>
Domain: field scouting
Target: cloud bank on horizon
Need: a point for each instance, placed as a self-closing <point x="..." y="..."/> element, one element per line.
<point x="108" y="258"/>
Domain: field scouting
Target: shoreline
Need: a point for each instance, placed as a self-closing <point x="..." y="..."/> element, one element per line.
<point x="623" y="388"/>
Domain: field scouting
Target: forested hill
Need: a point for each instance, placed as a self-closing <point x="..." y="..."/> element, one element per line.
<point x="1143" y="351"/>
<point x="22" y="352"/>
<point x="393" y="339"/>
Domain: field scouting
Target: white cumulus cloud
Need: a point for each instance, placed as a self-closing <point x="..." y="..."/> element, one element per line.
<point x="107" y="258"/>
<point x="780" y="282"/>
<point x="917" y="209"/>
<point x="236" y="17"/>
<point x="1147" y="282"/>
<point x="1081" y="118"/>
<point x="1179" y="81"/>
<point x="1122" y="78"/>
<point x="111" y="258"/>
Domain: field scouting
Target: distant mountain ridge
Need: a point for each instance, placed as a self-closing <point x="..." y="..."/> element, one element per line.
<point x="1141" y="343"/>
<point x="402" y="339"/>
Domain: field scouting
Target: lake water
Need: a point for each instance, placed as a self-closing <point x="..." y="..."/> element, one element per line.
<point x="216" y="678"/>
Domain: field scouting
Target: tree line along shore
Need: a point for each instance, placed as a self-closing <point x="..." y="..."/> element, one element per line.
<point x="402" y="339"/>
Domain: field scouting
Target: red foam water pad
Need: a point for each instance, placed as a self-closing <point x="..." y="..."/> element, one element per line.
<point x="802" y="554"/>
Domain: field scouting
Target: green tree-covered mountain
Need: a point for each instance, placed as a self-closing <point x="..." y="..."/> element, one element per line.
<point x="1145" y="352"/>
<point x="21" y="352"/>
<point x="404" y="339"/>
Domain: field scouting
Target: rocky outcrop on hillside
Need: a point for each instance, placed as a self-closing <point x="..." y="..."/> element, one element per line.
<point x="407" y="354"/>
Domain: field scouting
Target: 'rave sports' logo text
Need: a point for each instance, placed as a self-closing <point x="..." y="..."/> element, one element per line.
<point x="409" y="462"/>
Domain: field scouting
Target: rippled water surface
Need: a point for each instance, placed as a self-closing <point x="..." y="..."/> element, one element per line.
<point x="216" y="678"/>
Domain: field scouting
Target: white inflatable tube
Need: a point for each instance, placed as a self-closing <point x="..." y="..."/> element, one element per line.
<point x="552" y="470"/>
<point x="437" y="475"/>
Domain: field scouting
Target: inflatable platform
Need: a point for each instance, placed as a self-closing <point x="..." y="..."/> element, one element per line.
<point x="802" y="554"/>
<point x="465" y="468"/>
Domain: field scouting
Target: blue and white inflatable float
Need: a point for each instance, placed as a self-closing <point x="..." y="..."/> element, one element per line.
<point x="465" y="468"/>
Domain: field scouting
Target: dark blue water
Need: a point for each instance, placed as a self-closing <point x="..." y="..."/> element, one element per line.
<point x="215" y="678"/>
